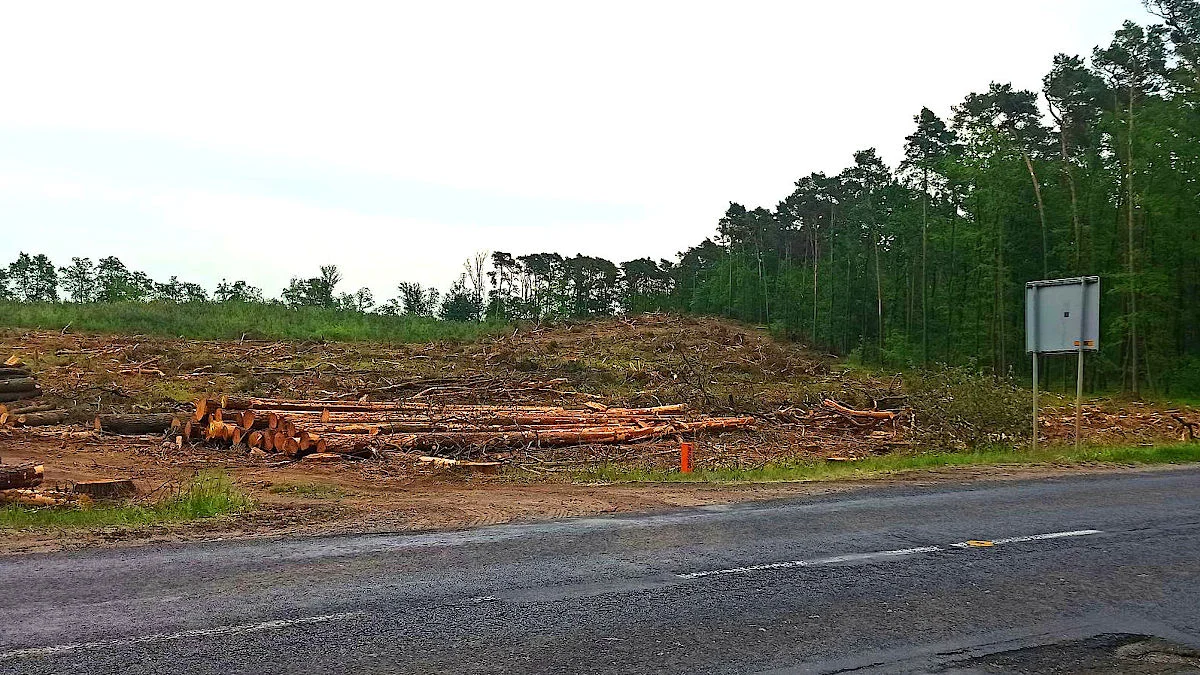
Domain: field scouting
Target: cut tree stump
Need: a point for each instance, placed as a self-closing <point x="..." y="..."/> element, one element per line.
<point x="153" y="423"/>
<point x="105" y="489"/>
<point x="21" y="476"/>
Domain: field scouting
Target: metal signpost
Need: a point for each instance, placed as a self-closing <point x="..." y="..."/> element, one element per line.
<point x="1062" y="316"/>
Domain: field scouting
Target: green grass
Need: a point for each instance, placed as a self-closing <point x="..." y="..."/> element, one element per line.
<point x="211" y="321"/>
<point x="207" y="495"/>
<point x="311" y="490"/>
<point x="892" y="464"/>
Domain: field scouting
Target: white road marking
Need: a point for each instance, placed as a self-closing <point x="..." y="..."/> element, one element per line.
<point x="165" y="637"/>
<point x="876" y="555"/>
<point x="850" y="557"/>
<point x="1035" y="537"/>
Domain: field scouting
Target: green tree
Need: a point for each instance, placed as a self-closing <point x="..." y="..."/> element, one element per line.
<point x="461" y="303"/>
<point x="238" y="291"/>
<point x="1182" y="19"/>
<point x="1073" y="94"/>
<point x="79" y="280"/>
<point x="116" y="283"/>
<point x="1134" y="66"/>
<point x="33" y="278"/>
<point x="314" y="292"/>
<point x="925" y="155"/>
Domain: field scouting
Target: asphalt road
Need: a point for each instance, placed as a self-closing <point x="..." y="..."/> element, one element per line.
<point x="870" y="580"/>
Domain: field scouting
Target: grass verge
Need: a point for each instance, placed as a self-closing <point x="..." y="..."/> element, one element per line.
<point x="892" y="464"/>
<point x="233" y="320"/>
<point x="207" y="495"/>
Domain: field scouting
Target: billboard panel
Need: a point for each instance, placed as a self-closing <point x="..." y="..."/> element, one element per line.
<point x="1062" y="313"/>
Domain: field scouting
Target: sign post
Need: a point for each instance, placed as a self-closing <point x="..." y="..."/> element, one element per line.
<point x="1062" y="316"/>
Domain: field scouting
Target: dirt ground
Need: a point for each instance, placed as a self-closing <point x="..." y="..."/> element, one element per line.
<point x="365" y="497"/>
<point x="713" y="366"/>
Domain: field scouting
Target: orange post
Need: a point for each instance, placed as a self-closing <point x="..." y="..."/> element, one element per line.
<point x="685" y="457"/>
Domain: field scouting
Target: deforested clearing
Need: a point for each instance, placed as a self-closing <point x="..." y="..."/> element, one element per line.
<point x="533" y="409"/>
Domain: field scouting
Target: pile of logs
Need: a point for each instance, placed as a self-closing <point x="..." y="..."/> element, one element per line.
<point x="19" y="392"/>
<point x="297" y="428"/>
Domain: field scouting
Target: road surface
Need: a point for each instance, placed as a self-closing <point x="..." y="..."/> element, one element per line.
<point x="911" y="578"/>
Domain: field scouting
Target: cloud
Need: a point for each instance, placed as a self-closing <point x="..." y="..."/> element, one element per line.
<point x="395" y="138"/>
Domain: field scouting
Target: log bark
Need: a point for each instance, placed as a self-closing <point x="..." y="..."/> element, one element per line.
<point x="8" y="372"/>
<point x="21" y="476"/>
<point x="17" y="384"/>
<point x="6" y="397"/>
<point x="152" y="423"/>
<point x="24" y="409"/>
<point x="39" y="419"/>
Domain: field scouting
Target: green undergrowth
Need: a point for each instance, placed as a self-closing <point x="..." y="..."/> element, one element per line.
<point x="206" y="495"/>
<point x="235" y="320"/>
<point x="893" y="464"/>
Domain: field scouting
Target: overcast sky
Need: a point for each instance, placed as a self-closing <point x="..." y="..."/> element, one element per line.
<point x="258" y="141"/>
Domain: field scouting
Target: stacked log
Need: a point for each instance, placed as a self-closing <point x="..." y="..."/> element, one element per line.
<point x="21" y="476"/>
<point x="296" y="428"/>
<point x="19" y="392"/>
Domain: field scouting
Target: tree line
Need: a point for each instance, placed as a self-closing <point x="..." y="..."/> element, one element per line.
<point x="1096" y="173"/>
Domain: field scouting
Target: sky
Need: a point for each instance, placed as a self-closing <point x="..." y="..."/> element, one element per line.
<point x="258" y="141"/>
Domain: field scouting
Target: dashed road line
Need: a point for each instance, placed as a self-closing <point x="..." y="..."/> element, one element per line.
<point x="180" y="635"/>
<point x="883" y="555"/>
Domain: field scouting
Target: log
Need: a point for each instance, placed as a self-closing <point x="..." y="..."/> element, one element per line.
<point x="18" y="384"/>
<point x="204" y="407"/>
<point x="21" y="476"/>
<point x="40" y="419"/>
<point x="871" y="414"/>
<point x="8" y="372"/>
<point x="323" y="457"/>
<point x="6" y="397"/>
<point x="718" y="424"/>
<point x="151" y="423"/>
<point x="219" y="431"/>
<point x="308" y="441"/>
<point x="21" y="410"/>
<point x="105" y="489"/>
<point x="28" y="497"/>
<point x="480" y="467"/>
<point x="291" y="446"/>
